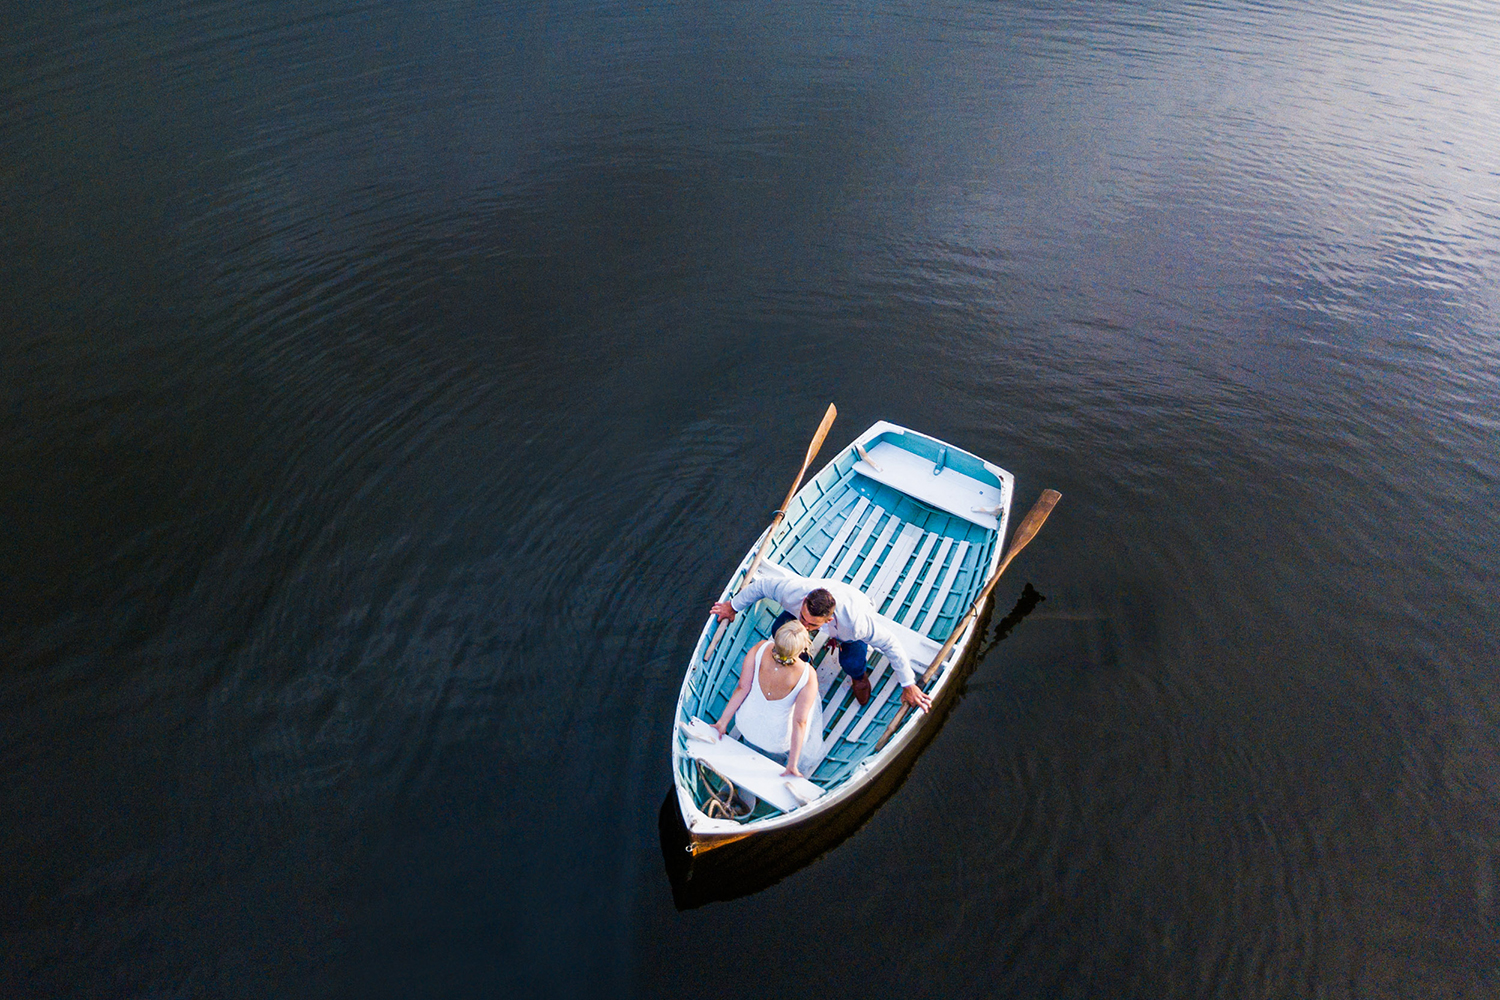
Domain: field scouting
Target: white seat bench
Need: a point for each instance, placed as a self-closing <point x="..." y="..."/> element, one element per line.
<point x="748" y="769"/>
<point x="949" y="490"/>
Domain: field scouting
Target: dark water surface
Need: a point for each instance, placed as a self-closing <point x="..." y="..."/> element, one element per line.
<point x="386" y="389"/>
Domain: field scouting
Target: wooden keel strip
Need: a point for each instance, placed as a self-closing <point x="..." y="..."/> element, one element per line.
<point x="879" y="721"/>
<point x="819" y="641"/>
<point x="836" y="694"/>
<point x="830" y="741"/>
<point x="828" y="675"/>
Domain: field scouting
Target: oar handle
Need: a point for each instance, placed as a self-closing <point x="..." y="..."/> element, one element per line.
<point x="1025" y="532"/>
<point x="813" y="448"/>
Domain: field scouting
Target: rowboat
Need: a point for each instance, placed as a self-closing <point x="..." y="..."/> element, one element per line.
<point x="917" y="525"/>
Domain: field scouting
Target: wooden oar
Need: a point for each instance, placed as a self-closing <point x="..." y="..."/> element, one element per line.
<point x="812" y="452"/>
<point x="1030" y="525"/>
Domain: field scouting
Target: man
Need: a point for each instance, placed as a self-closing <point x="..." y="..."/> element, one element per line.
<point x="850" y="620"/>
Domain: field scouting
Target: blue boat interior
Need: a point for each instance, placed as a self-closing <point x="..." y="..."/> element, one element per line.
<point x="845" y="526"/>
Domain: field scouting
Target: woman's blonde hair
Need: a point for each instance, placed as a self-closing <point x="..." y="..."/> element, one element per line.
<point x="792" y="641"/>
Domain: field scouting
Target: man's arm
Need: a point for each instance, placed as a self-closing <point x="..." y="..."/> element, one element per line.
<point x="884" y="640"/>
<point x="784" y="591"/>
<point x="890" y="647"/>
<point x="754" y="591"/>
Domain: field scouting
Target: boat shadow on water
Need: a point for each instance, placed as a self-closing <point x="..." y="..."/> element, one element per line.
<point x="746" y="867"/>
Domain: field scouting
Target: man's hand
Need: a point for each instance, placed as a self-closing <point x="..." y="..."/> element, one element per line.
<point x="724" y="610"/>
<point x="791" y="772"/>
<point x="915" y="697"/>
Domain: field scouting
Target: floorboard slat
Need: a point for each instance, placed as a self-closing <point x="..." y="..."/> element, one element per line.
<point x="832" y="509"/>
<point x="910" y="579"/>
<point x="878" y="698"/>
<point x="932" y="576"/>
<point x="893" y="564"/>
<point x="838" y="541"/>
<point x="877" y="674"/>
<point x="871" y="566"/>
<point x="960" y="550"/>
<point x="861" y="537"/>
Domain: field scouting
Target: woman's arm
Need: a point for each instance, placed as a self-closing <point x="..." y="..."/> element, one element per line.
<point x="801" y="719"/>
<point x="747" y="673"/>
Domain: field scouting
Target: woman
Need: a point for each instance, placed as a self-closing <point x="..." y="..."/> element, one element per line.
<point x="781" y="715"/>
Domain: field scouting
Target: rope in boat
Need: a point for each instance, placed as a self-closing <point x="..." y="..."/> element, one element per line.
<point x="721" y="804"/>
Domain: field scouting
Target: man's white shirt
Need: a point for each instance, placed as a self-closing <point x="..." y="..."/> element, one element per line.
<point x="854" y="617"/>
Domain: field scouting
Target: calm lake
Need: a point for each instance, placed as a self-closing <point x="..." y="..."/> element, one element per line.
<point x="387" y="389"/>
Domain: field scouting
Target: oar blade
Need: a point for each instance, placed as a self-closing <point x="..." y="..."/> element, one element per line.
<point x="1029" y="526"/>
<point x="816" y="444"/>
<point x="813" y="447"/>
